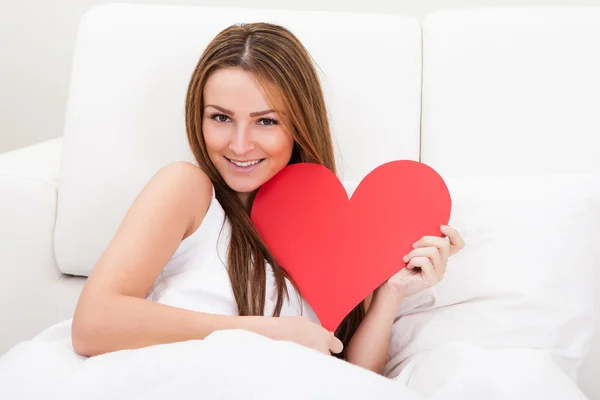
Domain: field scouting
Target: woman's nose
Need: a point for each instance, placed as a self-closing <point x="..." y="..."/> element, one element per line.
<point x="241" y="143"/>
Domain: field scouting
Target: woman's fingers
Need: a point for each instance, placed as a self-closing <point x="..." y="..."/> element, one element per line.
<point x="456" y="241"/>
<point x="428" y="273"/>
<point x="335" y="345"/>
<point x="433" y="253"/>
<point x="441" y="243"/>
<point x="449" y="245"/>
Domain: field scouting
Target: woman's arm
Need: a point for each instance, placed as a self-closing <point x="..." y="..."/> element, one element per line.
<point x="368" y="347"/>
<point x="127" y="322"/>
<point x="112" y="312"/>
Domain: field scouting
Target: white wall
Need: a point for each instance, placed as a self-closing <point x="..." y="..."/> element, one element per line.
<point x="37" y="39"/>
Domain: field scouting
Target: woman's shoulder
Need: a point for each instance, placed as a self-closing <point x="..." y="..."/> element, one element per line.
<point x="186" y="172"/>
<point x="193" y="188"/>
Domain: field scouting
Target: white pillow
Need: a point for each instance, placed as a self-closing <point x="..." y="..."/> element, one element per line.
<point x="527" y="277"/>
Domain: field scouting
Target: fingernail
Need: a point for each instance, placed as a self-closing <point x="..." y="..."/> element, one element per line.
<point x="416" y="244"/>
<point x="404" y="258"/>
<point x="444" y="227"/>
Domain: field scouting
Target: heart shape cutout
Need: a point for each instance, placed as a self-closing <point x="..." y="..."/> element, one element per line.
<point x="338" y="250"/>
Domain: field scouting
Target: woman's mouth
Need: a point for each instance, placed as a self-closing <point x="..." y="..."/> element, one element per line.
<point x="244" y="166"/>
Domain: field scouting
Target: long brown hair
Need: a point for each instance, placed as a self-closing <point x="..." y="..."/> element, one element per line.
<point x="285" y="70"/>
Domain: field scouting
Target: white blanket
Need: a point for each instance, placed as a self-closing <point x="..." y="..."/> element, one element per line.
<point x="244" y="365"/>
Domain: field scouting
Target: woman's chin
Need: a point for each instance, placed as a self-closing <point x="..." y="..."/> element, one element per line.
<point x="244" y="188"/>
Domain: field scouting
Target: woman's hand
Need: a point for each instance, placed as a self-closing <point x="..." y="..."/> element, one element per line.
<point x="306" y="333"/>
<point x="426" y="265"/>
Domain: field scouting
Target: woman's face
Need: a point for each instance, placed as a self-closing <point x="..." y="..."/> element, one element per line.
<point x="245" y="138"/>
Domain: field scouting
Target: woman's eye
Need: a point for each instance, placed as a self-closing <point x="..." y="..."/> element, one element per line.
<point x="267" y="121"/>
<point x="220" y="117"/>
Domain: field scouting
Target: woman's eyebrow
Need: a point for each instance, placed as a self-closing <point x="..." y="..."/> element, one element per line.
<point x="252" y="114"/>
<point x="222" y="109"/>
<point x="259" y="113"/>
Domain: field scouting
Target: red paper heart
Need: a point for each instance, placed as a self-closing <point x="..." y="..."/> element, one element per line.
<point x="339" y="250"/>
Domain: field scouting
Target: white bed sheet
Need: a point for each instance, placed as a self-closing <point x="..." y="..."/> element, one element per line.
<point x="238" y="364"/>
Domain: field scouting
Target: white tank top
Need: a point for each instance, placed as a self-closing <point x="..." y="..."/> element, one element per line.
<point x="196" y="278"/>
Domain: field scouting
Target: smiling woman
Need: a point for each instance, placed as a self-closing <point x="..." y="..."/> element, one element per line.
<point x="254" y="105"/>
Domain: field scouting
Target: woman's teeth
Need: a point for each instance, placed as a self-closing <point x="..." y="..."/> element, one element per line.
<point x="245" y="163"/>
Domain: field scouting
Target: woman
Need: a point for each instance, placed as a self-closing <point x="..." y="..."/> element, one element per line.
<point x="254" y="105"/>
